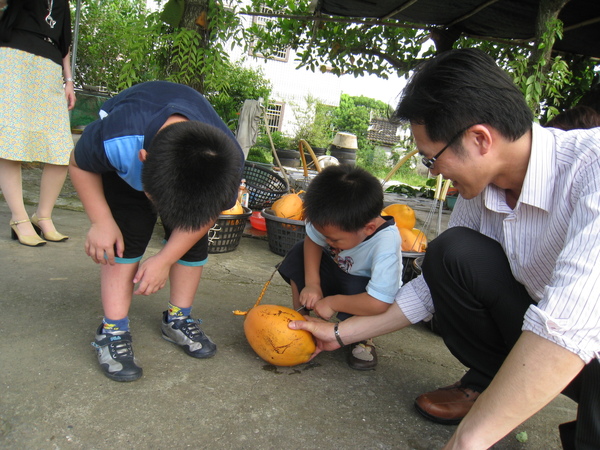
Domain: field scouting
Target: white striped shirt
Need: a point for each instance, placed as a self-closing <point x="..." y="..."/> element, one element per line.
<point x="551" y="239"/>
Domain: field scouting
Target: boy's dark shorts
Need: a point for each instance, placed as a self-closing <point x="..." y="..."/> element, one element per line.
<point x="334" y="281"/>
<point x="136" y="218"/>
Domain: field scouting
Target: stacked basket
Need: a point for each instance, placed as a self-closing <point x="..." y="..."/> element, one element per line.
<point x="264" y="185"/>
<point x="227" y="232"/>
<point x="282" y="233"/>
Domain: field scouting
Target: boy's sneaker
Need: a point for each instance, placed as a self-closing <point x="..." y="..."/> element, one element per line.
<point x="115" y="355"/>
<point x="186" y="333"/>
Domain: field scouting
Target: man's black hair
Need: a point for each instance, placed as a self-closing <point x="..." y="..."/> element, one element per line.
<point x="579" y="117"/>
<point x="343" y="196"/>
<point x="461" y="88"/>
<point x="191" y="173"/>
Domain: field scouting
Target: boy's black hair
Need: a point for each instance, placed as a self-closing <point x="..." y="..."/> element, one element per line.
<point x="192" y="172"/>
<point x="461" y="88"/>
<point x="343" y="196"/>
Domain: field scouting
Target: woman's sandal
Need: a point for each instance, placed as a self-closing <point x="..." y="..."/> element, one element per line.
<point x="30" y="241"/>
<point x="53" y="236"/>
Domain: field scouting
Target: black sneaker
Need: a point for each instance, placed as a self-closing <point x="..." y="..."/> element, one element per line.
<point x="115" y="355"/>
<point x="186" y="333"/>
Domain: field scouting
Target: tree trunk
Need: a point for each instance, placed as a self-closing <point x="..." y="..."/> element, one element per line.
<point x="547" y="13"/>
<point x="193" y="10"/>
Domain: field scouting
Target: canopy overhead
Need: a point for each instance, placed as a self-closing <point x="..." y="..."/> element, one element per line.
<point x="498" y="19"/>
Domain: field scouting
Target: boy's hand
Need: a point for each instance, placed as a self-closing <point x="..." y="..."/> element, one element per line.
<point x="152" y="276"/>
<point x="101" y="242"/>
<point x="323" y="310"/>
<point x="310" y="295"/>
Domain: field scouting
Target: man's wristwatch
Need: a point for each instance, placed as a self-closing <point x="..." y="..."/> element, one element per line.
<point x="337" y="335"/>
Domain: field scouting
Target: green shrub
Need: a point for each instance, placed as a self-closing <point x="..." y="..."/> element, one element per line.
<point x="260" y="154"/>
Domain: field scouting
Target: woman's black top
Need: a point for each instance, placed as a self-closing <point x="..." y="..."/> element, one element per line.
<point x="24" y="26"/>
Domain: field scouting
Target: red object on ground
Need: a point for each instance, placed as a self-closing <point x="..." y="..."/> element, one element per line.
<point x="257" y="221"/>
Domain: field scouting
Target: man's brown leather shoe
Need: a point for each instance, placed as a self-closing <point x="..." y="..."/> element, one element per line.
<point x="447" y="405"/>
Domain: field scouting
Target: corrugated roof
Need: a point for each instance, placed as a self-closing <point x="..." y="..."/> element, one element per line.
<point x="383" y="131"/>
<point x="505" y="19"/>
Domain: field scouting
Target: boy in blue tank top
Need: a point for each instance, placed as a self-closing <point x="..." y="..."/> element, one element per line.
<point x="159" y="149"/>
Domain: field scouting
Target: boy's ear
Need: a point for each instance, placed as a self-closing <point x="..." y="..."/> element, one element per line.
<point x="370" y="227"/>
<point x="142" y="154"/>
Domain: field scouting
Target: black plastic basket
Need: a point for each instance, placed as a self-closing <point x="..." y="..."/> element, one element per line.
<point x="264" y="186"/>
<point x="411" y="263"/>
<point x="227" y="232"/>
<point x="282" y="233"/>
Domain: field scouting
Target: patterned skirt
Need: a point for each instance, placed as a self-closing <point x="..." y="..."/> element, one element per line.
<point x="34" y="120"/>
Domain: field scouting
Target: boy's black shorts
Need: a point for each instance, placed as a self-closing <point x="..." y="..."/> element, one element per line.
<point x="334" y="280"/>
<point x="136" y="217"/>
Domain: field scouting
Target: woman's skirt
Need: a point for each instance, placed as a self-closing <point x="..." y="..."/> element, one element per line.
<point x="34" y="120"/>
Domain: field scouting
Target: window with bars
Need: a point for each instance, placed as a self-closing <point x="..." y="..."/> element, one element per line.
<point x="278" y="54"/>
<point x="274" y="115"/>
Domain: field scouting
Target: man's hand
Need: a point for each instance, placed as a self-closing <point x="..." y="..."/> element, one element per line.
<point x="534" y="372"/>
<point x="354" y="329"/>
<point x="152" y="275"/>
<point x="321" y="330"/>
<point x="101" y="241"/>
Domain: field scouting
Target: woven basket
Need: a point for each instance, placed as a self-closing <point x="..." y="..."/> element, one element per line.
<point x="282" y="233"/>
<point x="227" y="232"/>
<point x="263" y="185"/>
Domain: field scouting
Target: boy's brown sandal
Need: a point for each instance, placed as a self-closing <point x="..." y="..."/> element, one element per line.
<point x="362" y="355"/>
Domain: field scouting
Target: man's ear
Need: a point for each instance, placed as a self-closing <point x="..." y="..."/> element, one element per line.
<point x="482" y="137"/>
<point x="142" y="155"/>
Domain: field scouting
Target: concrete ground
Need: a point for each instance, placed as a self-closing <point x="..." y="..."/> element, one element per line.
<point x="53" y="395"/>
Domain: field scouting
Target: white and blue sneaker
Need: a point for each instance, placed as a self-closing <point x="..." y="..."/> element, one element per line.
<point x="186" y="333"/>
<point x="115" y="355"/>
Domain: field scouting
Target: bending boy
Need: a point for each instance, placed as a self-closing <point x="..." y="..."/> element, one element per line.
<point x="350" y="262"/>
<point x="158" y="149"/>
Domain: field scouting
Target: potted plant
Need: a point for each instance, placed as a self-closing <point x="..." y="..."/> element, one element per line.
<point x="284" y="148"/>
<point x="451" y="197"/>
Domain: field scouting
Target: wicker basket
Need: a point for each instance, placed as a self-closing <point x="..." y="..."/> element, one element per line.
<point x="226" y="234"/>
<point x="264" y="185"/>
<point x="282" y="233"/>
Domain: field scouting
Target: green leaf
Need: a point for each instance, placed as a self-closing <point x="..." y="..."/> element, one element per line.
<point x="522" y="436"/>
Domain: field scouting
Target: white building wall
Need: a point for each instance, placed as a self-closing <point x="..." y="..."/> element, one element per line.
<point x="291" y="86"/>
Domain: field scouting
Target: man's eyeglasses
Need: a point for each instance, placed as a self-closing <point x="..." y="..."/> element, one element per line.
<point x="428" y="162"/>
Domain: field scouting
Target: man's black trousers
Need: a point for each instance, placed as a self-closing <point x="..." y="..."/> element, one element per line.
<point x="479" y="310"/>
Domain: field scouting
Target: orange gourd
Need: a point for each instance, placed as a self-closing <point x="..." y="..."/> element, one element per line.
<point x="237" y="209"/>
<point x="289" y="206"/>
<point x="403" y="215"/>
<point x="413" y="240"/>
<point x="267" y="332"/>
